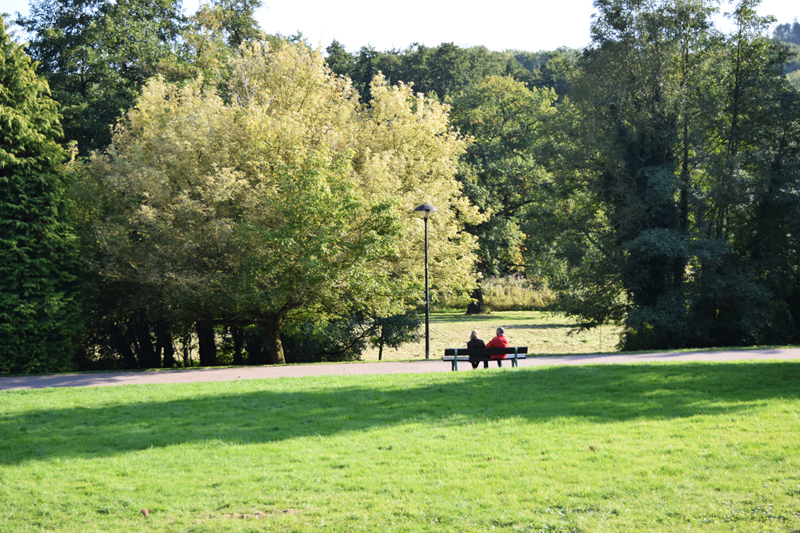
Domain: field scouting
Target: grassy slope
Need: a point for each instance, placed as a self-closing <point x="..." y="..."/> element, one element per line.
<point x="663" y="447"/>
<point x="543" y="333"/>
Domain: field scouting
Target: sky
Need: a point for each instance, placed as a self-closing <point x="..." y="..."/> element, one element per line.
<point x="531" y="25"/>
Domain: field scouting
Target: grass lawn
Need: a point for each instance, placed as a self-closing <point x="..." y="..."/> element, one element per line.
<point x="543" y="333"/>
<point x="619" y="448"/>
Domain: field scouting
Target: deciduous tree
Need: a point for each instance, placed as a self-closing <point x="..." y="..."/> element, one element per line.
<point x="502" y="171"/>
<point x="96" y="55"/>
<point x="688" y="135"/>
<point x="291" y="202"/>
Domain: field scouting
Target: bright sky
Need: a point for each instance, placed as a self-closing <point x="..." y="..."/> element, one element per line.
<point x="530" y="25"/>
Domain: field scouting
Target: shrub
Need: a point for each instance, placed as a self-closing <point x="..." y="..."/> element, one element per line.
<point x="510" y="293"/>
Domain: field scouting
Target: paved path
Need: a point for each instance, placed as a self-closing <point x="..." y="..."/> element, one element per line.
<point x="433" y="365"/>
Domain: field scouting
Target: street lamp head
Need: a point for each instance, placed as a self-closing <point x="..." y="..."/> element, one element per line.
<point x="424" y="211"/>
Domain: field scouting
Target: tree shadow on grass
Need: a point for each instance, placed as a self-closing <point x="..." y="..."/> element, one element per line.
<point x="452" y="317"/>
<point x="260" y="411"/>
<point x="540" y="326"/>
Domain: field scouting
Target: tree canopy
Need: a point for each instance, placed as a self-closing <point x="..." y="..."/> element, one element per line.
<point x="244" y="189"/>
<point x="690" y="157"/>
<point x="97" y="54"/>
<point x="448" y="69"/>
<point x="292" y="200"/>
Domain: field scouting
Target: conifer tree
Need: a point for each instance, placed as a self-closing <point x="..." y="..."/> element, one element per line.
<point x="37" y="311"/>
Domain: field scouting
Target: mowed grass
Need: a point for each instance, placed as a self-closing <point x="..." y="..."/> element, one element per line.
<point x="660" y="447"/>
<point x="542" y="332"/>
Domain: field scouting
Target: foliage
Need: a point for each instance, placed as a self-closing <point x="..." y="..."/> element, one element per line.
<point x="447" y="69"/>
<point x="549" y="70"/>
<point x="337" y="339"/>
<point x="650" y="180"/>
<point x="501" y="100"/>
<point x="508" y="293"/>
<point x="209" y="39"/>
<point x="501" y="172"/>
<point x="291" y="203"/>
<point x="38" y="308"/>
<point x="617" y="448"/>
<point x="790" y="35"/>
<point x="515" y="293"/>
<point x="690" y="155"/>
<point x="96" y="55"/>
<point x="395" y="330"/>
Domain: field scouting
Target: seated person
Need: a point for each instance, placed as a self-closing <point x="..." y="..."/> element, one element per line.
<point x="475" y="342"/>
<point x="499" y="342"/>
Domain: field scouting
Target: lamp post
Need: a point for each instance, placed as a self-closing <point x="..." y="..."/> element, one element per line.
<point x="424" y="212"/>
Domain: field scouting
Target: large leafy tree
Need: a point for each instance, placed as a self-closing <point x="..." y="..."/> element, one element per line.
<point x="97" y="54"/>
<point x="687" y="135"/>
<point x="37" y="249"/>
<point x="502" y="171"/>
<point x="210" y="38"/>
<point x="291" y="202"/>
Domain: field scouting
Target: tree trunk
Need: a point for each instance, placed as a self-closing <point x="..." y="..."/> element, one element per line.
<point x="272" y="328"/>
<point x="380" y="346"/>
<point x="186" y="344"/>
<point x="169" y="352"/>
<point x="256" y="351"/>
<point x="147" y="352"/>
<point x="119" y="340"/>
<point x="207" y="346"/>
<point x="685" y="180"/>
<point x="238" y="345"/>
<point x="476" y="307"/>
<point x="165" y="344"/>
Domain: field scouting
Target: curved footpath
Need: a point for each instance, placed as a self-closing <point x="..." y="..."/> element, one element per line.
<point x="433" y="365"/>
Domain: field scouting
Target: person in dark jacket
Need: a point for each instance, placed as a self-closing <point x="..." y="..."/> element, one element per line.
<point x="475" y="342"/>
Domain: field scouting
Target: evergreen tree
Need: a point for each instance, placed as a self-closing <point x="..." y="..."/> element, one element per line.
<point x="37" y="307"/>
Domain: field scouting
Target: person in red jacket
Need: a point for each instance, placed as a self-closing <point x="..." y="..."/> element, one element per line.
<point x="498" y="342"/>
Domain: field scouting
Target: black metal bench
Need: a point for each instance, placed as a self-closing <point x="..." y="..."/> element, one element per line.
<point x="512" y="353"/>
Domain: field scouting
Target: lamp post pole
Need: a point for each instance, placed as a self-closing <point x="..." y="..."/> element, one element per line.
<point x="424" y="211"/>
<point x="427" y="298"/>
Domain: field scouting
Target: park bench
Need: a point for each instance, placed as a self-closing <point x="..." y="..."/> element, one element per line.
<point x="512" y="353"/>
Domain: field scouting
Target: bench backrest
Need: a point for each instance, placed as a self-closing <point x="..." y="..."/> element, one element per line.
<point x="486" y="351"/>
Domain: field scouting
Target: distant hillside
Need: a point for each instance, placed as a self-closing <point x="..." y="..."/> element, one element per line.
<point x="790" y="34"/>
<point x="447" y="69"/>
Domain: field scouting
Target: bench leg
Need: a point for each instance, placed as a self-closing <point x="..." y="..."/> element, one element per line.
<point x="499" y="362"/>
